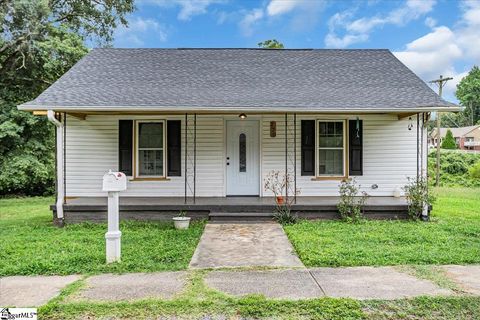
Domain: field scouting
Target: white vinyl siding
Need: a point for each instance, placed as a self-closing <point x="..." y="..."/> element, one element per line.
<point x="389" y="155"/>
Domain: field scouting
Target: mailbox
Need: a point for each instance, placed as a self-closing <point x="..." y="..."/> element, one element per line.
<point x="114" y="181"/>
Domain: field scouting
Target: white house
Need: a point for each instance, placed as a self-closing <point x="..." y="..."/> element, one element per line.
<point x="199" y="129"/>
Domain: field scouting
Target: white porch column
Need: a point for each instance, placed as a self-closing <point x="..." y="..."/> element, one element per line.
<point x="424" y="157"/>
<point x="60" y="169"/>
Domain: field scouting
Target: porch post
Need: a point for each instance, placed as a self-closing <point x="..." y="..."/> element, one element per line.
<point x="286" y="157"/>
<point x="194" y="156"/>
<point x="185" y="155"/>
<point x="418" y="146"/>
<point x="190" y="157"/>
<point x="60" y="166"/>
<point x="295" y="157"/>
<point x="424" y="161"/>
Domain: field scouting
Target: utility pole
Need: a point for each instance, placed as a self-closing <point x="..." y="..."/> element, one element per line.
<point x="441" y="82"/>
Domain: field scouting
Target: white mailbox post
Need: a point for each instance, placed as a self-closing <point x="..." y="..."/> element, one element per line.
<point x="113" y="183"/>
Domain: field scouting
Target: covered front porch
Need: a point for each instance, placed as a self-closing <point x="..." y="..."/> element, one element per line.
<point x="224" y="208"/>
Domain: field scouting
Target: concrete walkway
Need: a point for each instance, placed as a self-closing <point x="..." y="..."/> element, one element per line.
<point x="244" y="245"/>
<point x="357" y="282"/>
<point x="25" y="291"/>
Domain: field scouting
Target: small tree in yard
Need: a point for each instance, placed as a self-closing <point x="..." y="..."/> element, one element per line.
<point x="281" y="184"/>
<point x="351" y="200"/>
<point x="418" y="197"/>
<point x="449" y="141"/>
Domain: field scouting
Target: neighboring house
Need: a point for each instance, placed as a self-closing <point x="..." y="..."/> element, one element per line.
<point x="199" y="129"/>
<point x="467" y="138"/>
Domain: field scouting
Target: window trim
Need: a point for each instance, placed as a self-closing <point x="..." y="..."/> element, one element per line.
<point x="317" y="148"/>
<point x="136" y="175"/>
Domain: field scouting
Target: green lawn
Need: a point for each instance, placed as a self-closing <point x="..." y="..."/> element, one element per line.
<point x="198" y="301"/>
<point x="453" y="236"/>
<point x="32" y="245"/>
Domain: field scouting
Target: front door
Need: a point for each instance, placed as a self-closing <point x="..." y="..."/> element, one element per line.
<point x="243" y="159"/>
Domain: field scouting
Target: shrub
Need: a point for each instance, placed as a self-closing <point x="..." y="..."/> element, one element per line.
<point x="449" y="141"/>
<point x="474" y="171"/>
<point x="282" y="183"/>
<point x="284" y="216"/>
<point x="455" y="167"/>
<point x="351" y="200"/>
<point x="418" y="197"/>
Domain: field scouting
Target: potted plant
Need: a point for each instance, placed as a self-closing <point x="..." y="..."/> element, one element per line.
<point x="181" y="222"/>
<point x="279" y="199"/>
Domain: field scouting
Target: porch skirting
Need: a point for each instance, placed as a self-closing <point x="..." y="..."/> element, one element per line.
<point x="94" y="209"/>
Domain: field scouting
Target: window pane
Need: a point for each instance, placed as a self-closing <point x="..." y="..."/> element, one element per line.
<point x="330" y="162"/>
<point x="243" y="152"/>
<point x="150" y="135"/>
<point x="150" y="162"/>
<point x="330" y="134"/>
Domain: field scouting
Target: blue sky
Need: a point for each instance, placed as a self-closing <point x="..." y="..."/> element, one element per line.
<point x="432" y="37"/>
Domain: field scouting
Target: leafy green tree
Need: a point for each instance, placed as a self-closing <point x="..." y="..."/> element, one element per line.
<point x="271" y="44"/>
<point x="449" y="141"/>
<point x="39" y="41"/>
<point x="468" y="93"/>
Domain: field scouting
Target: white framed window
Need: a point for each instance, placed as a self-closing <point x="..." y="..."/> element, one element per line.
<point x="331" y="148"/>
<point x="150" y="142"/>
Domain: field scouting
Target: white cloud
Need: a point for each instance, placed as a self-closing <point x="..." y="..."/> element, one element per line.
<point x="332" y="41"/>
<point x="188" y="8"/>
<point x="191" y="8"/>
<point x="430" y="22"/>
<point x="278" y="7"/>
<point x="138" y="29"/>
<point x="358" y="30"/>
<point x="437" y="52"/>
<point x="305" y="14"/>
<point x="250" y="18"/>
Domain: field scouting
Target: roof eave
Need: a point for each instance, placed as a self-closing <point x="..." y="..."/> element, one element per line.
<point x="163" y="109"/>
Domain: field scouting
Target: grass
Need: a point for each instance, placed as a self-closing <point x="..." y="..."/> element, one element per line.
<point x="424" y="308"/>
<point x="434" y="274"/>
<point x="198" y="302"/>
<point x="453" y="237"/>
<point x="32" y="245"/>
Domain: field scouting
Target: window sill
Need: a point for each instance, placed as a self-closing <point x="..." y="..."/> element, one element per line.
<point x="149" y="179"/>
<point x="328" y="178"/>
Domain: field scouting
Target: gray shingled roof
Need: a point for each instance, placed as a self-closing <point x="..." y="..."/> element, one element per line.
<point x="131" y="79"/>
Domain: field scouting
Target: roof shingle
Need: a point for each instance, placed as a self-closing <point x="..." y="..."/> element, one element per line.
<point x="317" y="79"/>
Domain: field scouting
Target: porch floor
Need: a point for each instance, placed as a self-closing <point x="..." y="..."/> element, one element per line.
<point x="224" y="208"/>
<point x="209" y="202"/>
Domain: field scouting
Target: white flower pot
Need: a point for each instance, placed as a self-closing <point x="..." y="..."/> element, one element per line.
<point x="181" y="222"/>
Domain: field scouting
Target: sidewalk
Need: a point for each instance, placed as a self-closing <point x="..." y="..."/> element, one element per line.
<point x="355" y="282"/>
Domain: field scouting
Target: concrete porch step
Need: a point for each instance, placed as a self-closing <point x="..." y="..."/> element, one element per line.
<point x="240" y="216"/>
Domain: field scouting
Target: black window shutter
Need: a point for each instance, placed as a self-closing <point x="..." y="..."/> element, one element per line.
<point x="125" y="146"/>
<point x="308" y="147"/>
<point x="355" y="147"/>
<point x="174" y="148"/>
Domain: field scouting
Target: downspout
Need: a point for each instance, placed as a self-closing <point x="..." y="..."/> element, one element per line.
<point x="59" y="151"/>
